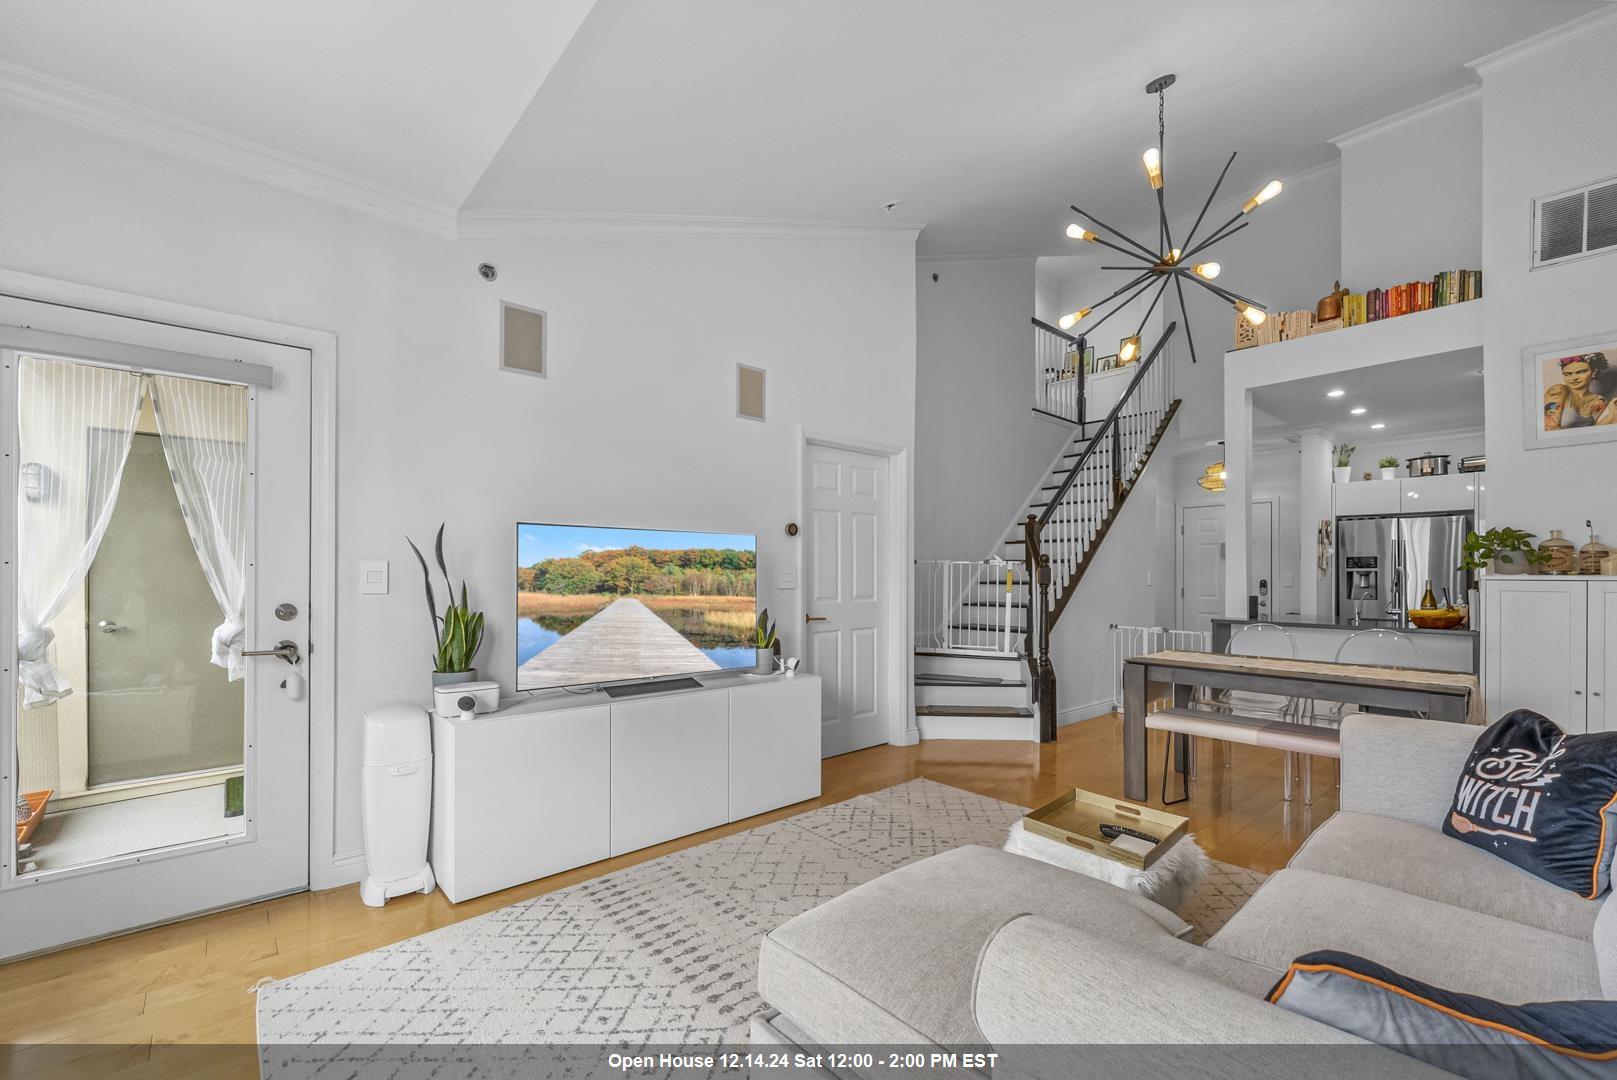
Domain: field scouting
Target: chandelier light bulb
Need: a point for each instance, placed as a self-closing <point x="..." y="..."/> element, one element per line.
<point x="1173" y="256"/>
<point x="1270" y="190"/>
<point x="1072" y="318"/>
<point x="1128" y="350"/>
<point x="1153" y="167"/>
<point x="1253" y="315"/>
<point x="1078" y="232"/>
<point x="1207" y="270"/>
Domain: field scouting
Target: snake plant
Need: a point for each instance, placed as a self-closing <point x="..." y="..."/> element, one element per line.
<point x="459" y="632"/>
<point x="765" y="635"/>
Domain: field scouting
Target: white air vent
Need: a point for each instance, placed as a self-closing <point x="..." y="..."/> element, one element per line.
<point x="1573" y="224"/>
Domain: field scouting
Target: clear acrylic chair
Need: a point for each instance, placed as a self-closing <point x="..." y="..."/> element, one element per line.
<point x="1261" y="640"/>
<point x="1378" y="648"/>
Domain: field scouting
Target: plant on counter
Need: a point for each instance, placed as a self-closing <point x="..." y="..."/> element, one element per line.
<point x="459" y="632"/>
<point x="1388" y="463"/>
<point x="1344" y="455"/>
<point x="766" y="638"/>
<point x="1500" y="546"/>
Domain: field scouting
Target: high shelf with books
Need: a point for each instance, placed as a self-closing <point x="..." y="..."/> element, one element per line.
<point x="1445" y="289"/>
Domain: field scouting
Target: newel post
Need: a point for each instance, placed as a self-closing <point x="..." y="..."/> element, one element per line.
<point x="1047" y="672"/>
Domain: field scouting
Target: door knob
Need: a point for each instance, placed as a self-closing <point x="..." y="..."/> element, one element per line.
<point x="286" y="650"/>
<point x="107" y="626"/>
<point x="814" y="618"/>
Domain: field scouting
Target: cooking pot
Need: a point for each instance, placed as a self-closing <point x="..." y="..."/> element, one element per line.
<point x="1429" y="464"/>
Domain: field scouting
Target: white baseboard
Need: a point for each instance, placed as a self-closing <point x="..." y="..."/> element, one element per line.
<point x="1087" y="711"/>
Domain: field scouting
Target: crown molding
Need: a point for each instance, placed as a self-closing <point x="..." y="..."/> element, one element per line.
<point x="1408" y="116"/>
<point x="1527" y="47"/>
<point x="56" y="99"/>
<point x="582" y="225"/>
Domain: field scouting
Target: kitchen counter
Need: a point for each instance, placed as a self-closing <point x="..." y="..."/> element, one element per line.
<point x="1318" y="637"/>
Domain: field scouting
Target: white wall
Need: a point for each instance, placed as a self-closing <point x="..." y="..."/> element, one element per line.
<point x="1412" y="194"/>
<point x="979" y="446"/>
<point x="635" y="425"/>
<point x="1547" y="119"/>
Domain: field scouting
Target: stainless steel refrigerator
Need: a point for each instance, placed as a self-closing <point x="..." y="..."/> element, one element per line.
<point x="1384" y="563"/>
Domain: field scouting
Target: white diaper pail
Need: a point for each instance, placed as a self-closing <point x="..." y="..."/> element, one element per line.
<point x="397" y="802"/>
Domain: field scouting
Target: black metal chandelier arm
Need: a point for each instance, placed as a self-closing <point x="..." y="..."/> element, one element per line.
<point x="1138" y="330"/>
<point x="1222" y="232"/>
<point x="1123" y="290"/>
<point x="1152" y="256"/>
<point x="1162" y="216"/>
<point x="1211" y="195"/>
<point x="1190" y="337"/>
<point x="1125" y="302"/>
<point x="1232" y="297"/>
<point x="1119" y="248"/>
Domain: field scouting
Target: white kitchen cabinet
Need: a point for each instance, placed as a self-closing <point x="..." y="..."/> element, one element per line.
<point x="1367" y="498"/>
<point x="1454" y="493"/>
<point x="1548" y="645"/>
<point x="1603" y="655"/>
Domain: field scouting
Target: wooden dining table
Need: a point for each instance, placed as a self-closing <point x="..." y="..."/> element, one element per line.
<point x="1440" y="695"/>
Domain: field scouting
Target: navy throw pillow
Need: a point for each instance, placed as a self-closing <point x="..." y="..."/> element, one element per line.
<point x="1462" y="1033"/>
<point x="1541" y="799"/>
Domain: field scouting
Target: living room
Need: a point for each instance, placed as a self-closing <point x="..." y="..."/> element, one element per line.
<point x="747" y="351"/>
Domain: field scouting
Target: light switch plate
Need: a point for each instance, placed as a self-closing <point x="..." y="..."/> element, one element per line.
<point x="787" y="578"/>
<point x="373" y="577"/>
<point x="1288" y="580"/>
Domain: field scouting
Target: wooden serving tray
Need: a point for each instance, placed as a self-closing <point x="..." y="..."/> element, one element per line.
<point x="1076" y="817"/>
<point x="36" y="802"/>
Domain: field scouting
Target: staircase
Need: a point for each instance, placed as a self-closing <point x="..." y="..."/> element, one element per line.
<point x="983" y="628"/>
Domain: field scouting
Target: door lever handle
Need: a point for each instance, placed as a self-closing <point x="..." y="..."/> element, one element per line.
<point x="107" y="626"/>
<point x="286" y="650"/>
<point x="815" y="618"/>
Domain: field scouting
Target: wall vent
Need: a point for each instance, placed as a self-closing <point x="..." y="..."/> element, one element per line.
<point x="1574" y="224"/>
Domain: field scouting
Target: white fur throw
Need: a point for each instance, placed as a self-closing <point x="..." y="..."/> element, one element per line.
<point x="1169" y="881"/>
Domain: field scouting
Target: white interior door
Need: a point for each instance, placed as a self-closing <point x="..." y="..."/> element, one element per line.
<point x="1201" y="562"/>
<point x="177" y="770"/>
<point x="845" y="598"/>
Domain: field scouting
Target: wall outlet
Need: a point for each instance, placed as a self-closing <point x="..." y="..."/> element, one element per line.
<point x="373" y="577"/>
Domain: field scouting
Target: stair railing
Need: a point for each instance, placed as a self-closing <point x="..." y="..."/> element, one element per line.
<point x="1058" y="373"/>
<point x="1058" y="540"/>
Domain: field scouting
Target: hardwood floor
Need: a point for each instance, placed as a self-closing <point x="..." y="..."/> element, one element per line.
<point x="177" y="1000"/>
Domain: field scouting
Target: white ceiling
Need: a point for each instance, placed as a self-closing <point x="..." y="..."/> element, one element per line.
<point x="986" y="120"/>
<point x="1432" y="394"/>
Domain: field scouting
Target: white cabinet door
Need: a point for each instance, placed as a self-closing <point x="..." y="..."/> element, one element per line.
<point x="1602" y="655"/>
<point x="774" y="744"/>
<point x="670" y="767"/>
<point x="1454" y="493"/>
<point x="1535" y="652"/>
<point x="1362" y="497"/>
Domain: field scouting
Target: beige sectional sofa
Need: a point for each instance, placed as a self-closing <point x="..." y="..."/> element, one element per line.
<point x="980" y="948"/>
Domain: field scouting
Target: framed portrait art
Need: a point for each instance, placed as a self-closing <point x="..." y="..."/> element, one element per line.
<point x="1569" y="391"/>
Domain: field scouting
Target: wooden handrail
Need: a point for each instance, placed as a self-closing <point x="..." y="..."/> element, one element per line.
<point x="1042" y="325"/>
<point x="1107" y="427"/>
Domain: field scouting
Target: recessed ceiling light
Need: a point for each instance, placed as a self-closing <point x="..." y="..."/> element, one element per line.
<point x="1359" y="410"/>
<point x="1335" y="393"/>
<point x="1377" y="427"/>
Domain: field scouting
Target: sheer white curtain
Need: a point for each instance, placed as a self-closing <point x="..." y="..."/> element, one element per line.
<point x="203" y="426"/>
<point x="75" y="423"/>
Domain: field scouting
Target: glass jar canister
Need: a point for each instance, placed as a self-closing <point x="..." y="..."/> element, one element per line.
<point x="1561" y="555"/>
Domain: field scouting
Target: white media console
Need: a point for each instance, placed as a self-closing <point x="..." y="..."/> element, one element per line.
<point x="560" y="780"/>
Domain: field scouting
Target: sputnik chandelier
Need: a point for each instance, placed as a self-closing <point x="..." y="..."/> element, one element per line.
<point x="1168" y="262"/>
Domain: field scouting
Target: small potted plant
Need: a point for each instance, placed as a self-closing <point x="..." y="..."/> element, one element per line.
<point x="458" y="633"/>
<point x="1502" y="551"/>
<point x="766" y="644"/>
<point x="1389" y="468"/>
<point x="1344" y="462"/>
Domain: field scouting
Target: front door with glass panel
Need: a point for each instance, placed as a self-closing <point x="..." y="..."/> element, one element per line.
<point x="155" y="728"/>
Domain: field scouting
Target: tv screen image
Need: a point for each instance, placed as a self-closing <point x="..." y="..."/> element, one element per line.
<point x="598" y="605"/>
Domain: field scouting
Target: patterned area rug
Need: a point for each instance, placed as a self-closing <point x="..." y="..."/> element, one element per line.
<point x="664" y="952"/>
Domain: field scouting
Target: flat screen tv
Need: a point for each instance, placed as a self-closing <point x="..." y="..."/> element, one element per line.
<point x="603" y="605"/>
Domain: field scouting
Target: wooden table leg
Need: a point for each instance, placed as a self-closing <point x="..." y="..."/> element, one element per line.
<point x="1134" y="764"/>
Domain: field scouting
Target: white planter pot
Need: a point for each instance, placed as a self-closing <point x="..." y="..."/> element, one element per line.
<point x="1344" y="474"/>
<point x="1390" y="474"/>
<point x="1517" y="565"/>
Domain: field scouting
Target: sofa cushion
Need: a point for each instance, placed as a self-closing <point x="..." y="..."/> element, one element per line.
<point x="1541" y="799"/>
<point x="1301" y="911"/>
<point x="893" y="961"/>
<point x="1462" y="1033"/>
<point x="1605" y="938"/>
<point x="1423" y="862"/>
